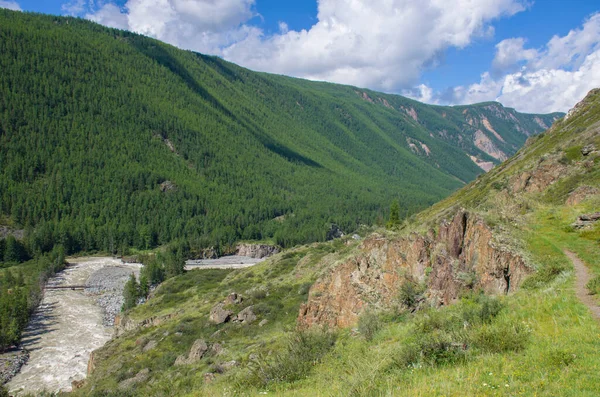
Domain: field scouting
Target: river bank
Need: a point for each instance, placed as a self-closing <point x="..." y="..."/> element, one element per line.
<point x="69" y="324"/>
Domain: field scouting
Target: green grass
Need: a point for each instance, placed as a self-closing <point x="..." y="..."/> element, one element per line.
<point x="538" y="341"/>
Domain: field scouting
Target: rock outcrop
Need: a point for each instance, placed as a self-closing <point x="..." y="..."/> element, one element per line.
<point x="461" y="255"/>
<point x="581" y="194"/>
<point x="586" y="220"/>
<point x="220" y="315"/>
<point x="7" y="231"/>
<point x="168" y="186"/>
<point x="198" y="350"/>
<point x="334" y="232"/>
<point x="538" y="179"/>
<point x="246" y="316"/>
<point x="140" y="377"/>
<point x="257" y="251"/>
<point x="126" y="324"/>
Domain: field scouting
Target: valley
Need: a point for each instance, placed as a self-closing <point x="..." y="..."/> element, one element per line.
<point x="173" y="224"/>
<point x="69" y="324"/>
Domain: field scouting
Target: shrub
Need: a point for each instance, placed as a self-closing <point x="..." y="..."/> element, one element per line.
<point x="368" y="324"/>
<point x="480" y="309"/>
<point x="560" y="358"/>
<point x="304" y="349"/>
<point x="410" y="294"/>
<point x="544" y="276"/>
<point x="435" y="348"/>
<point x="573" y="153"/>
<point x="593" y="286"/>
<point x="500" y="337"/>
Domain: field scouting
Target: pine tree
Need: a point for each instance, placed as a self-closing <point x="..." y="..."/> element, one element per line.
<point x="394" y="215"/>
<point x="131" y="293"/>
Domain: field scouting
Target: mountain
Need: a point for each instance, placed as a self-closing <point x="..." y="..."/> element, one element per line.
<point x="110" y="140"/>
<point x="473" y="296"/>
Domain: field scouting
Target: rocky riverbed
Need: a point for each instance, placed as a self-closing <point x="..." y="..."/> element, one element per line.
<point x="69" y="324"/>
<point x="224" y="262"/>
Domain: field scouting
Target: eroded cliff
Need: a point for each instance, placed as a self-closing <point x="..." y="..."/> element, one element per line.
<point x="460" y="256"/>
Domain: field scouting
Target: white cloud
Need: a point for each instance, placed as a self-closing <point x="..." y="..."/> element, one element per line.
<point x="200" y="25"/>
<point x="76" y="7"/>
<point x="378" y="44"/>
<point x="110" y="15"/>
<point x="509" y="53"/>
<point x="382" y="44"/>
<point x="11" y="5"/>
<point x="553" y="78"/>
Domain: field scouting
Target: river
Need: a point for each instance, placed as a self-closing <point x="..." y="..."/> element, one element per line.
<point x="69" y="324"/>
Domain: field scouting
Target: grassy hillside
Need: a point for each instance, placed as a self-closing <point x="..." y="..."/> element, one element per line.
<point x="111" y="140"/>
<point x="540" y="340"/>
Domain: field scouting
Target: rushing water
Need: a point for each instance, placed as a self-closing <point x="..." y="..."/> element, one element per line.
<point x="64" y="330"/>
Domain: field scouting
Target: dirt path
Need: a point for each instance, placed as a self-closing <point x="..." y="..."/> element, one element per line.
<point x="582" y="277"/>
<point x="65" y="329"/>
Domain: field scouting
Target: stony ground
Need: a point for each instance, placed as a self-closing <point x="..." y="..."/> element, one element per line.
<point x="106" y="286"/>
<point x="11" y="363"/>
<point x="225" y="262"/>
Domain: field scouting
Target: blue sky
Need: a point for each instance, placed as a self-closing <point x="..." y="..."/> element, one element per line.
<point x="537" y="56"/>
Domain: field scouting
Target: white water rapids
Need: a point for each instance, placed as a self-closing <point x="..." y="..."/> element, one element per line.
<point x="66" y="327"/>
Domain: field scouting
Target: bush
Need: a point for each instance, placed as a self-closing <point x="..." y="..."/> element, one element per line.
<point x="593" y="286"/>
<point x="480" y="309"/>
<point x="410" y="294"/>
<point x="368" y="324"/>
<point x="304" y="349"/>
<point x="436" y="348"/>
<point x="500" y="337"/>
<point x="544" y="276"/>
<point x="560" y="358"/>
<point x="573" y="153"/>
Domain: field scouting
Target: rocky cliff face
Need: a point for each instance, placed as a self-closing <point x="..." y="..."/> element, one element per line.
<point x="461" y="256"/>
<point x="257" y="251"/>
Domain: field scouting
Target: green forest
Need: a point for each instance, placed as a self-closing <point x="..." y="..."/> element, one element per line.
<point x="110" y="140"/>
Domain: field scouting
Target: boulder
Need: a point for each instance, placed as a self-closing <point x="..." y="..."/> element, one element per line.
<point x="218" y="314"/>
<point x="209" y="377"/>
<point x="226" y="366"/>
<point x="587" y="149"/>
<point x="150" y="345"/>
<point x="140" y="377"/>
<point x="167" y="186"/>
<point x="263" y="323"/>
<point x="199" y="348"/>
<point x="216" y="349"/>
<point x="233" y="299"/>
<point x="246" y="316"/>
<point x="180" y="360"/>
<point x="586" y="220"/>
<point x="77" y="384"/>
<point x="334" y="232"/>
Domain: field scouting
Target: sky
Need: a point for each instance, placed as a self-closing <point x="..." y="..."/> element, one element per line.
<point x="538" y="56"/>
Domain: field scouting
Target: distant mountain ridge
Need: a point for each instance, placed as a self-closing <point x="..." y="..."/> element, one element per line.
<point x="488" y="132"/>
<point x="109" y="139"/>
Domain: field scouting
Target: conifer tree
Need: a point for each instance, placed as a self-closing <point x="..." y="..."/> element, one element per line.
<point x="394" y="215"/>
<point x="131" y="293"/>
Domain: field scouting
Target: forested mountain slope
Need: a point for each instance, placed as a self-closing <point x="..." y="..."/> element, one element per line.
<point x="109" y="139"/>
